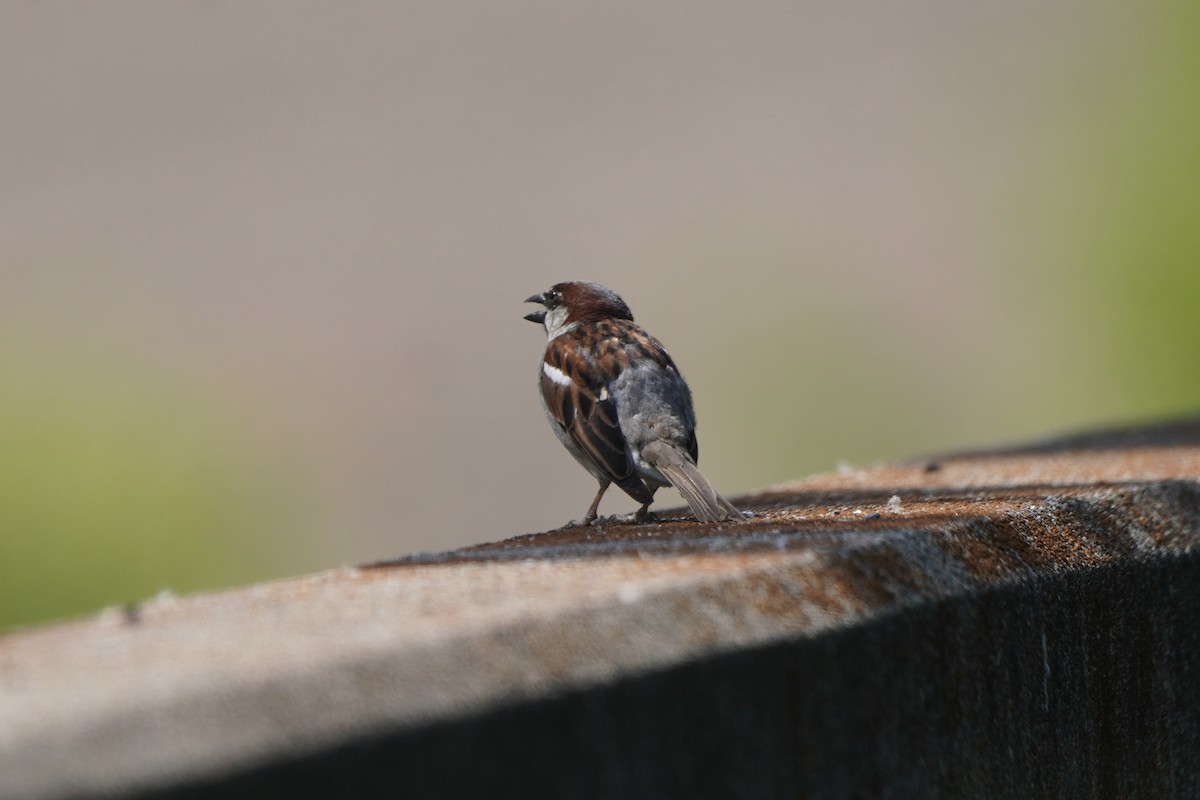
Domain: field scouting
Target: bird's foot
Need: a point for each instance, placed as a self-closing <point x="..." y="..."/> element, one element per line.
<point x="644" y="515"/>
<point x="615" y="519"/>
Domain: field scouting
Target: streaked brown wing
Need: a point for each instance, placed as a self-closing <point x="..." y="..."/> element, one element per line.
<point x="590" y="422"/>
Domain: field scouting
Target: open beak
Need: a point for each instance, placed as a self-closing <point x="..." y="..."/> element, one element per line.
<point x="538" y="316"/>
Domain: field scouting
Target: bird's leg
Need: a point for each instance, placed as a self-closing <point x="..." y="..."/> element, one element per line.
<point x="643" y="514"/>
<point x="590" y="517"/>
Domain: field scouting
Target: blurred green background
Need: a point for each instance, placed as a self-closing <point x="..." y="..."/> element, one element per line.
<point x="261" y="266"/>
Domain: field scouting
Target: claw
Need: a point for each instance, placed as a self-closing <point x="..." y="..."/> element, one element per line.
<point x="644" y="515"/>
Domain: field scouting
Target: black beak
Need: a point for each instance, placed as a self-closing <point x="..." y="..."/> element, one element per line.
<point x="536" y="316"/>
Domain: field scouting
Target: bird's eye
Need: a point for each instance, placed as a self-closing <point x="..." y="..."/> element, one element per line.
<point x="552" y="297"/>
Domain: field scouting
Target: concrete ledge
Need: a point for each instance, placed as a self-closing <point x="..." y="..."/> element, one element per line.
<point x="1013" y="623"/>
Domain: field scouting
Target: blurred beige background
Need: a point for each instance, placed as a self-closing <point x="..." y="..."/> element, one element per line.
<point x="261" y="264"/>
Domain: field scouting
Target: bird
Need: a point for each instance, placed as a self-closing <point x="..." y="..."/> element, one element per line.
<point x="617" y="401"/>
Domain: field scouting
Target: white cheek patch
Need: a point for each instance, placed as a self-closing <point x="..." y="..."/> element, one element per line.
<point x="555" y="374"/>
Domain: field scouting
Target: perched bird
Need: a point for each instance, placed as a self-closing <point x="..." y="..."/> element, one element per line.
<point x="617" y="401"/>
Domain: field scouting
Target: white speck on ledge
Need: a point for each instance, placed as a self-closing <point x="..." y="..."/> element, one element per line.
<point x="629" y="593"/>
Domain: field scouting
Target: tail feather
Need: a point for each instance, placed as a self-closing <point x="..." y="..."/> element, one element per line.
<point x="705" y="501"/>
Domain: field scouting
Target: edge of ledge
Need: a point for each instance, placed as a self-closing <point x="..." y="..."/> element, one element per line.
<point x="210" y="684"/>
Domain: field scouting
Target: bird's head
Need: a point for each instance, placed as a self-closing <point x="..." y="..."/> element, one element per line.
<point x="572" y="302"/>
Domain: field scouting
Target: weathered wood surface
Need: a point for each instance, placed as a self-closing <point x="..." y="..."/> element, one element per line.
<point x="998" y="624"/>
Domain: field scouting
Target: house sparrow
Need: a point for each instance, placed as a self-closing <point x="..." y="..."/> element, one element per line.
<point x="617" y="401"/>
